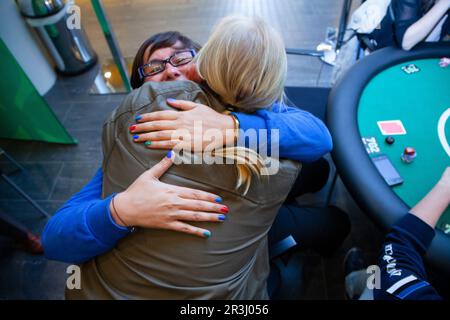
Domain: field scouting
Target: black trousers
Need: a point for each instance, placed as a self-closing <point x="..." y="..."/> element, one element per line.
<point x="322" y="229"/>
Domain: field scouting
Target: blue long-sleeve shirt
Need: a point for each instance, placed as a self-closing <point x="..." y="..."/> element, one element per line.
<point x="83" y="227"/>
<point x="302" y="136"/>
<point x="403" y="275"/>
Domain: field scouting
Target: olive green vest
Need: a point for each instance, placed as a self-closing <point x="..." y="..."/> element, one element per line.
<point x="157" y="264"/>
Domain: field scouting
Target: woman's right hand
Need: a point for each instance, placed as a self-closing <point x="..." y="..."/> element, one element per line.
<point x="150" y="203"/>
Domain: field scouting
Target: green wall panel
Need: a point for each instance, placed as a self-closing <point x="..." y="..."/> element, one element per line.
<point x="24" y="114"/>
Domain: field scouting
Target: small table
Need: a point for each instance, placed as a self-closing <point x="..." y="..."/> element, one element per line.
<point x="395" y="85"/>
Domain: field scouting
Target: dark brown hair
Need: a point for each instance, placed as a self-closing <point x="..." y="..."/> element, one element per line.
<point x="158" y="41"/>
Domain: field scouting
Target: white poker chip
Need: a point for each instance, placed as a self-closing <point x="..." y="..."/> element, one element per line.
<point x="444" y="62"/>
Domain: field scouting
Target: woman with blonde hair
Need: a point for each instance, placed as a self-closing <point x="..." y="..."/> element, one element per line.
<point x="243" y="66"/>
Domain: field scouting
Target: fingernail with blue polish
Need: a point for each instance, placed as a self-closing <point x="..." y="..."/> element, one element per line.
<point x="138" y="118"/>
<point x="222" y="217"/>
<point x="169" y="154"/>
<point x="218" y="200"/>
<point x="171" y="100"/>
<point x="207" y="234"/>
<point x="136" y="136"/>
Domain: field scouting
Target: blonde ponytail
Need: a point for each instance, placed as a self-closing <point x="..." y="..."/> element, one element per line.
<point x="248" y="163"/>
<point x="244" y="62"/>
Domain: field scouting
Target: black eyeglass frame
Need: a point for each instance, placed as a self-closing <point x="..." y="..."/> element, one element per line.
<point x="142" y="74"/>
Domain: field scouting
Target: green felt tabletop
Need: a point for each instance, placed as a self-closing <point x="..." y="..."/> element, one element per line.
<point x="421" y="100"/>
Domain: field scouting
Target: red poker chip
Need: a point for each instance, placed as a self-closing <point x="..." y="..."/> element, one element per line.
<point x="409" y="151"/>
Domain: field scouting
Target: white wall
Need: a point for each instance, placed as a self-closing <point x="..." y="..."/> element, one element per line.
<point x="23" y="46"/>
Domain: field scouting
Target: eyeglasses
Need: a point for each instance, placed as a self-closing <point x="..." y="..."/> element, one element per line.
<point x="177" y="59"/>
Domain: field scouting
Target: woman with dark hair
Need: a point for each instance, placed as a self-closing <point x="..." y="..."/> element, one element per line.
<point x="409" y="22"/>
<point x="156" y="42"/>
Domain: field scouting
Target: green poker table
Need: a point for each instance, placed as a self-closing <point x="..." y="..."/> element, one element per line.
<point x="410" y="92"/>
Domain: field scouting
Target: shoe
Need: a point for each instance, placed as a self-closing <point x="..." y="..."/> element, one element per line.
<point x="355" y="273"/>
<point x="32" y="244"/>
<point x="354" y="261"/>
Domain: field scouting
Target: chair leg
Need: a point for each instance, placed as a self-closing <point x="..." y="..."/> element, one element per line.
<point x="343" y="22"/>
<point x="332" y="186"/>
<point x="23" y="194"/>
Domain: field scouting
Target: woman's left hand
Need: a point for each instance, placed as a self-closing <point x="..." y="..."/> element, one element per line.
<point x="187" y="128"/>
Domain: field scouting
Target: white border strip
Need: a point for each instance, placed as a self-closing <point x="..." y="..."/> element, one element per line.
<point x="400" y="283"/>
<point x="441" y="131"/>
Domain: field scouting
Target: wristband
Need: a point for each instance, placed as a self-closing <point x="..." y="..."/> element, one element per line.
<point x="236" y="126"/>
<point x="132" y="229"/>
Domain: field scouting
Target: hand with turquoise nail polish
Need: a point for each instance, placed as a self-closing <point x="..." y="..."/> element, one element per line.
<point x="150" y="203"/>
<point x="168" y="129"/>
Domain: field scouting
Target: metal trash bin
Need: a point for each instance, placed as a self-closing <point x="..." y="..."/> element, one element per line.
<point x="69" y="47"/>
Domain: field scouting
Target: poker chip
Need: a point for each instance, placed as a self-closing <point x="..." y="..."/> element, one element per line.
<point x="444" y="62"/>
<point x="410" y="69"/>
<point x="390" y="140"/>
<point x="410" y="151"/>
<point x="408" y="155"/>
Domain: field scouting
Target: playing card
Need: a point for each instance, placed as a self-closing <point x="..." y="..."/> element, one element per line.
<point x="391" y="127"/>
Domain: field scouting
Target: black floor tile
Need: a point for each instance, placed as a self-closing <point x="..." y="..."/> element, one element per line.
<point x="37" y="181"/>
<point x="87" y="149"/>
<point x="72" y="178"/>
<point x="88" y="115"/>
<point x="116" y="98"/>
<point x="24" y="213"/>
<point x="57" y="94"/>
<point x="26" y="276"/>
<point x="61" y="109"/>
<point x="315" y="284"/>
<point x="80" y="83"/>
<point x="20" y="150"/>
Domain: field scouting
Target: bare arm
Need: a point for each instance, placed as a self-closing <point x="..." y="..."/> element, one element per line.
<point x="418" y="31"/>
<point x="430" y="208"/>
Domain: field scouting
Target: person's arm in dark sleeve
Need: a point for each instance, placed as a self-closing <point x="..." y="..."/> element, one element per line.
<point x="83" y="227"/>
<point x="406" y="12"/>
<point x="411" y="26"/>
<point x="403" y="273"/>
<point x="302" y="136"/>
